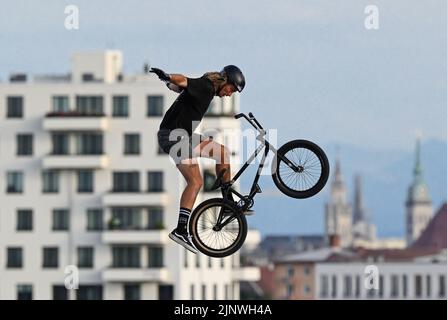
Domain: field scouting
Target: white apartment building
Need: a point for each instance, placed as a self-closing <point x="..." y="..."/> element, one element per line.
<point x="84" y="183"/>
<point x="421" y="278"/>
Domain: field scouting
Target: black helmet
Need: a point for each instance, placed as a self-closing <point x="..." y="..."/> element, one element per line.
<point x="234" y="76"/>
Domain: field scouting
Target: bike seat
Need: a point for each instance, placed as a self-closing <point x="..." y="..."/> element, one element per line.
<point x="218" y="181"/>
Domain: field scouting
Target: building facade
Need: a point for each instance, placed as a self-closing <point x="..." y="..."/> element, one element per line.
<point x="84" y="184"/>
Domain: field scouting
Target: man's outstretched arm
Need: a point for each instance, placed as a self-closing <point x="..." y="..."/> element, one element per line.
<point x="176" y="79"/>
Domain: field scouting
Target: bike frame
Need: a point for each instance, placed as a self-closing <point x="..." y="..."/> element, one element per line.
<point x="226" y="186"/>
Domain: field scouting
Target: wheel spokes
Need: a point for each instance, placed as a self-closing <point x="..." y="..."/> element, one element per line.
<point x="311" y="167"/>
<point x="216" y="239"/>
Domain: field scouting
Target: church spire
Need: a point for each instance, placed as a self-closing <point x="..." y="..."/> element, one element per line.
<point x="359" y="210"/>
<point x="338" y="188"/>
<point x="418" y="191"/>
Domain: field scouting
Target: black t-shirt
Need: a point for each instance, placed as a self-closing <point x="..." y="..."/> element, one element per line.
<point x="190" y="105"/>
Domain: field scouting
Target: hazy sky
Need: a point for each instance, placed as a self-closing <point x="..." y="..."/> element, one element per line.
<point x="313" y="70"/>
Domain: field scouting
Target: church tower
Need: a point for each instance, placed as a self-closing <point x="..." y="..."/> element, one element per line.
<point x="362" y="226"/>
<point x="419" y="208"/>
<point x="338" y="213"/>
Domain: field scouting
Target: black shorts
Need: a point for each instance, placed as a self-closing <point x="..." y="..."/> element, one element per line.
<point x="178" y="144"/>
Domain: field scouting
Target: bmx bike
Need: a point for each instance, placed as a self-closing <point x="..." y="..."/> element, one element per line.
<point x="300" y="169"/>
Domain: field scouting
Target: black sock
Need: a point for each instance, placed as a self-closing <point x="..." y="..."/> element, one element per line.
<point x="183" y="220"/>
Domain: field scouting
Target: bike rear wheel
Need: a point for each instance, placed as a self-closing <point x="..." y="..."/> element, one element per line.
<point x="313" y="169"/>
<point x="217" y="243"/>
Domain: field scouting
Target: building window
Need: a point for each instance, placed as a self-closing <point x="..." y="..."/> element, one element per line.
<point x="126" y="181"/>
<point x="60" y="292"/>
<point x="155" y="181"/>
<point x="381" y="285"/>
<point x="126" y="218"/>
<point x="222" y="263"/>
<point x="92" y="292"/>
<point x="197" y="260"/>
<point x="89" y="144"/>
<point x="60" y="104"/>
<point x="394" y="286"/>
<point x="89" y="105"/>
<point x="227" y="292"/>
<point x="357" y="286"/>
<point x="14" y="182"/>
<point x="441" y="293"/>
<point x="15" y="258"/>
<point x="154" y="106"/>
<point x="60" y="143"/>
<point x="306" y="290"/>
<point x="215" y="291"/>
<point x="126" y="257"/>
<point x="210" y="265"/>
<point x="85" y="257"/>
<point x="50" y="257"/>
<point x="85" y="181"/>
<point x="418" y="286"/>
<point x="15" y="107"/>
<point x="203" y="291"/>
<point x="24" y="144"/>
<point x="95" y="220"/>
<point x="120" y="106"/>
<point x="61" y="220"/>
<point x="404" y="285"/>
<point x="290" y="271"/>
<point x="131" y="143"/>
<point x="347" y="286"/>
<point x="289" y="290"/>
<point x="306" y="270"/>
<point x="50" y="181"/>
<point x="334" y="286"/>
<point x="132" y="291"/>
<point x="428" y="283"/>
<point x="208" y="180"/>
<point x="324" y="286"/>
<point x="155" y="257"/>
<point x="155" y="218"/>
<point x="24" y="220"/>
<point x="165" y="292"/>
<point x="192" y="291"/>
<point x="24" y="292"/>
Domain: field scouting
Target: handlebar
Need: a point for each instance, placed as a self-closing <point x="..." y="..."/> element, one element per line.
<point x="251" y="119"/>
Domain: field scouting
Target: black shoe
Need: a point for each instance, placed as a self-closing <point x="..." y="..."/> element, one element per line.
<point x="183" y="239"/>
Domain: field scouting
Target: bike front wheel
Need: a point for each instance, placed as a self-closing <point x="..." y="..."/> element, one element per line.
<point x="312" y="173"/>
<point x="208" y="237"/>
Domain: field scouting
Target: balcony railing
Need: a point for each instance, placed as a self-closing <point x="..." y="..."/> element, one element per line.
<point x="74" y="114"/>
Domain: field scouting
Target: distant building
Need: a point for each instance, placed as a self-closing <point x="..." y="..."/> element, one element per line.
<point x="419" y="208"/>
<point x="338" y="213"/>
<point x="362" y="228"/>
<point x="340" y="273"/>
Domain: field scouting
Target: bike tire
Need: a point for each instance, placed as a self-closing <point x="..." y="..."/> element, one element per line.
<point x="197" y="238"/>
<point x="279" y="176"/>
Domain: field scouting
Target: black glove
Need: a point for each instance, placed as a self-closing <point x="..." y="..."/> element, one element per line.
<point x="161" y="74"/>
